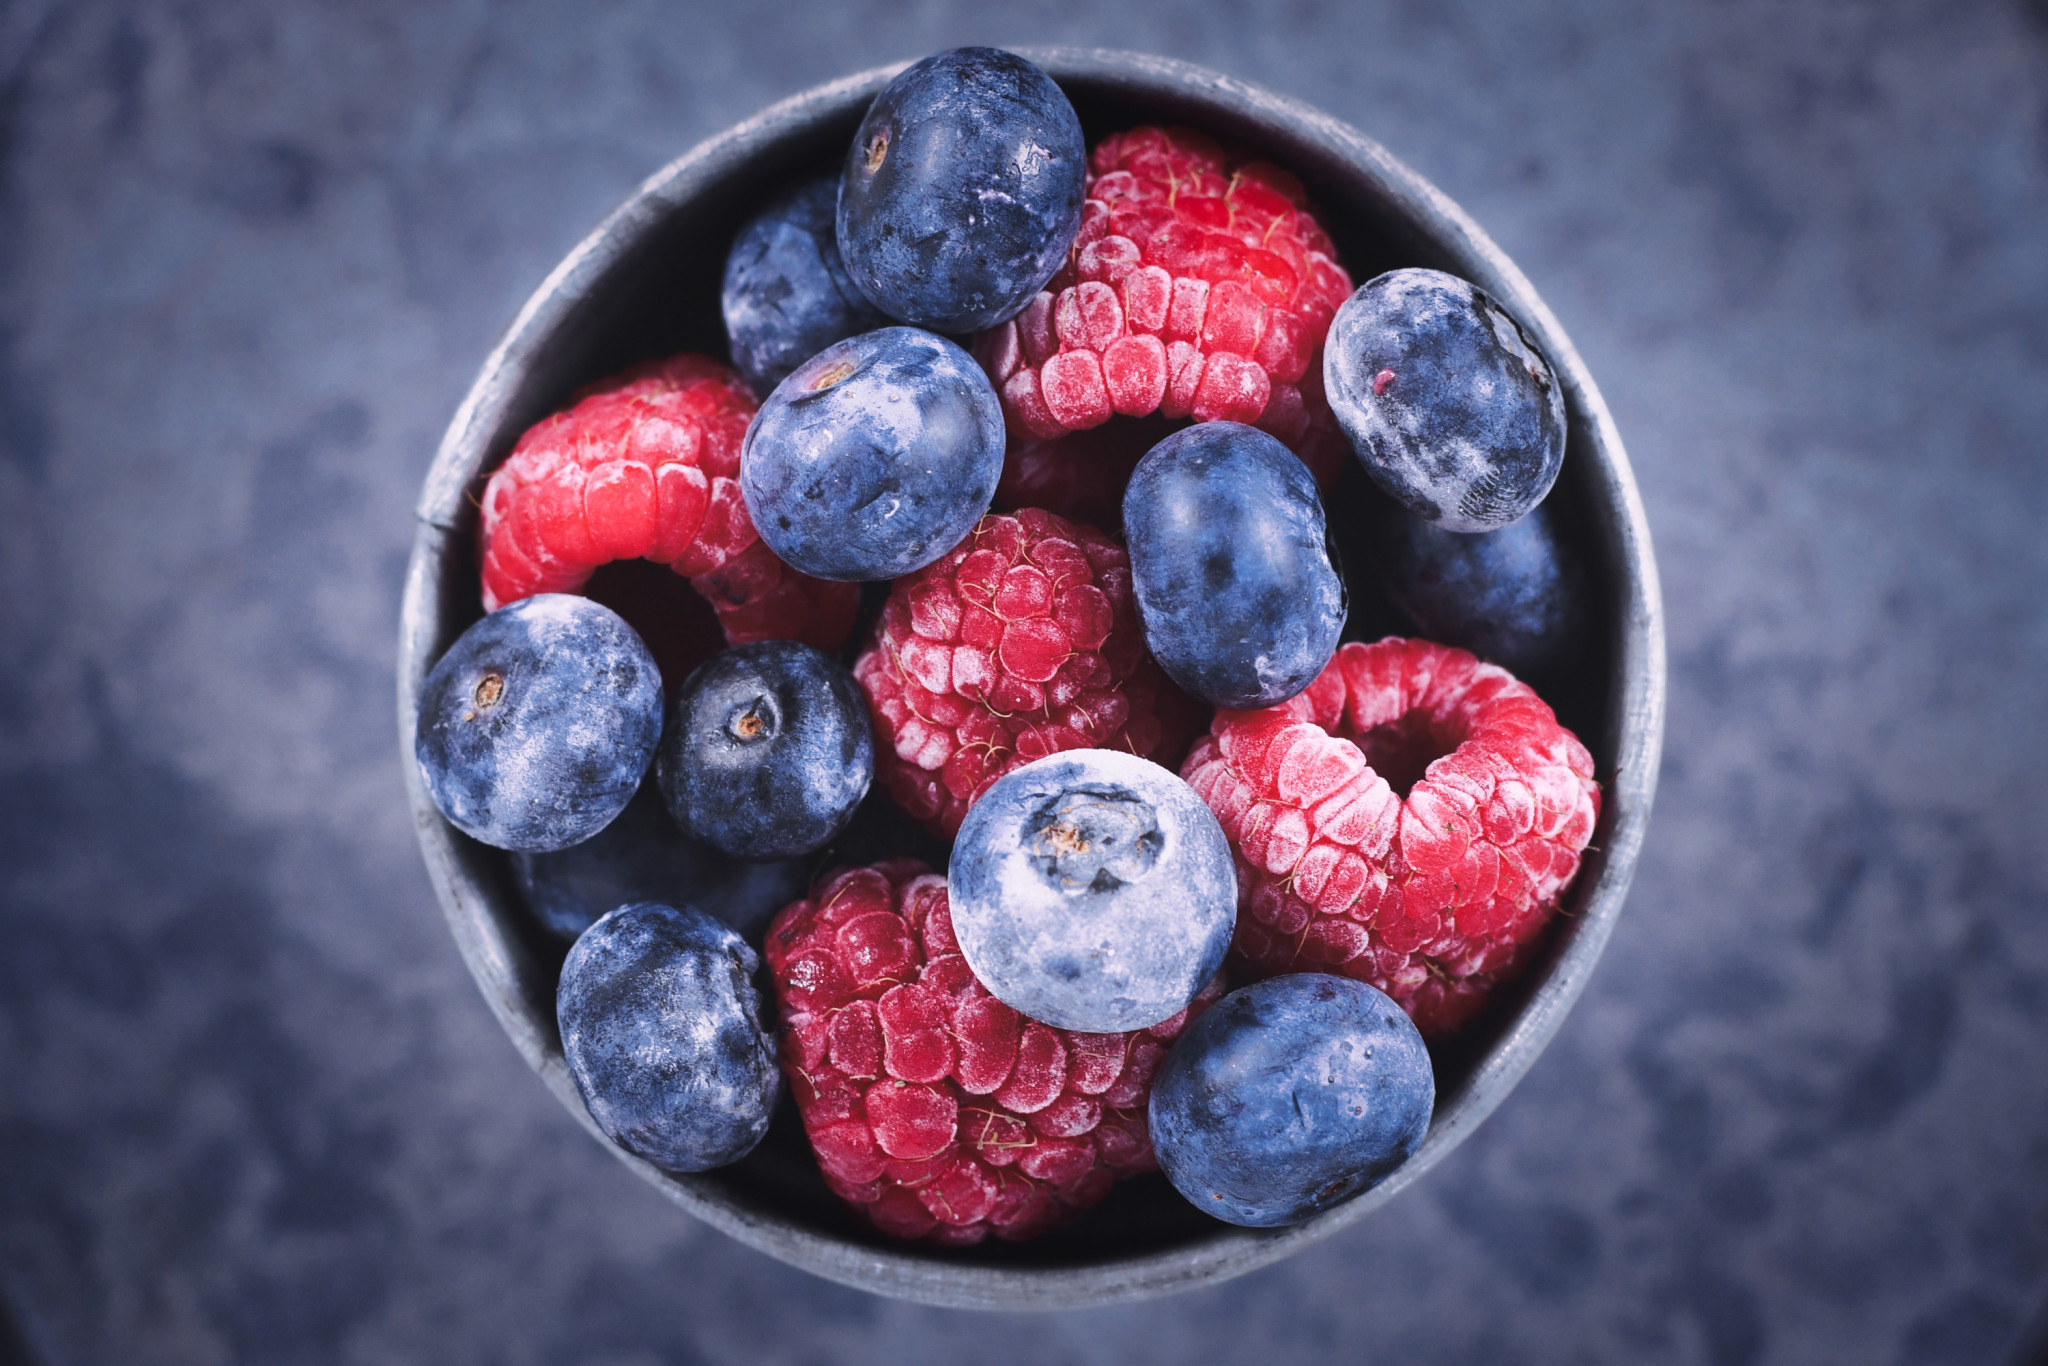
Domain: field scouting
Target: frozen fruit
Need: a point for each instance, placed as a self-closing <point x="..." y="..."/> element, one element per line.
<point x="663" y="1033"/>
<point x="767" y="751"/>
<point x="1289" y="1097"/>
<point x="1092" y="890"/>
<point x="1449" y="403"/>
<point x="646" y="465"/>
<point x="932" y="1107"/>
<point x="1412" y="820"/>
<point x="641" y="856"/>
<point x="1231" y="563"/>
<point x="1516" y="596"/>
<point x="1200" y="284"/>
<point x="1022" y="641"/>
<point x="962" y="190"/>
<point x="787" y="295"/>
<point x="875" y="456"/>
<point x="538" y="724"/>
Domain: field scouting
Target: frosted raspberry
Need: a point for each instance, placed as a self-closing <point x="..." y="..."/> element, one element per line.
<point x="1022" y="641"/>
<point x="1200" y="285"/>
<point x="933" y="1107"/>
<point x="646" y="465"/>
<point x="1433" y="896"/>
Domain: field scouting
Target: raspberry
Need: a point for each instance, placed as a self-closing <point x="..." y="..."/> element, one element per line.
<point x="1022" y="641"/>
<point x="646" y="465"/>
<point x="1200" y="284"/>
<point x="933" y="1107"/>
<point x="1080" y="475"/>
<point x="1433" y="896"/>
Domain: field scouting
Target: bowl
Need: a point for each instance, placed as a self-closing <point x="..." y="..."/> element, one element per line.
<point x="646" y="283"/>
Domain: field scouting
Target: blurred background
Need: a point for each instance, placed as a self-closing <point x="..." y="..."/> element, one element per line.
<point x="252" y="1108"/>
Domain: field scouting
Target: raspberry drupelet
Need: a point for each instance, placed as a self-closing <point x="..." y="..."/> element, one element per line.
<point x="932" y="1107"/>
<point x="1432" y="896"/>
<point x="1200" y="285"/>
<point x="646" y="465"/>
<point x="1020" y="642"/>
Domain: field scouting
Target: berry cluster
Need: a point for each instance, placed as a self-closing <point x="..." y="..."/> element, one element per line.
<point x="1368" y="837"/>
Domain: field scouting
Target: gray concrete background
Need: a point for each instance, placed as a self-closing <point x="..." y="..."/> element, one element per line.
<point x="251" y="1108"/>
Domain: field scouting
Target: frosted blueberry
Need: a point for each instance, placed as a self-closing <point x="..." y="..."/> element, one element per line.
<point x="1290" y="1097"/>
<point x="1231" y="565"/>
<point x="875" y="457"/>
<point x="962" y="190"/>
<point x="663" y="1033"/>
<point x="1446" y="400"/>
<point x="768" y="751"/>
<point x="1092" y="890"/>
<point x="538" y="724"/>
<point x="787" y="295"/>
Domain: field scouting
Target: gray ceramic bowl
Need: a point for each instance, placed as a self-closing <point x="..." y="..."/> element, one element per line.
<point x="645" y="283"/>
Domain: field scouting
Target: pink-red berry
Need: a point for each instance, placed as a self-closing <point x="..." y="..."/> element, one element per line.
<point x="932" y="1107"/>
<point x="1411" y="820"/>
<point x="646" y="465"/>
<point x="1200" y="285"/>
<point x="1022" y="641"/>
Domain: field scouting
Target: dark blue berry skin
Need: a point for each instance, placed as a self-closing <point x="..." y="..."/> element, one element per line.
<point x="1515" y="596"/>
<point x="962" y="191"/>
<point x="787" y="295"/>
<point x="1092" y="890"/>
<point x="1240" y="599"/>
<point x="1448" y="403"/>
<point x="1290" y="1097"/>
<point x="538" y="724"/>
<point x="641" y="856"/>
<point x="664" y="1035"/>
<point x="875" y="457"/>
<point x="768" y="751"/>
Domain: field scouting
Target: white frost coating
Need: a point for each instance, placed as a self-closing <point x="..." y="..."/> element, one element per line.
<point x="1031" y="159"/>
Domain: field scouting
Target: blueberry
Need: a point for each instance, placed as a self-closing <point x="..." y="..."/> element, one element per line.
<point x="1447" y="401"/>
<point x="768" y="751"/>
<point x="875" y="457"/>
<point x="537" y="725"/>
<point x="1092" y="890"/>
<point x="787" y="295"/>
<point x="962" y="190"/>
<point x="663" y="1033"/>
<point x="1231" y="564"/>
<point x="641" y="856"/>
<point x="1290" y="1097"/>
<point x="1515" y="596"/>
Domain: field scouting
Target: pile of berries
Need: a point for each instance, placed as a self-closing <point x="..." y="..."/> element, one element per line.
<point x="1101" y="683"/>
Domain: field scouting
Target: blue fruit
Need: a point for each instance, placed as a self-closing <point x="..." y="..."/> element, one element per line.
<point x="1240" y="599"/>
<point x="641" y="856"/>
<point x="787" y="295"/>
<point x="1290" y="1097"/>
<point x="768" y="751"/>
<point x="1449" y="404"/>
<point x="537" y="725"/>
<point x="875" y="457"/>
<point x="1515" y="596"/>
<point x="962" y="191"/>
<point x="1092" y="890"/>
<point x="663" y="1033"/>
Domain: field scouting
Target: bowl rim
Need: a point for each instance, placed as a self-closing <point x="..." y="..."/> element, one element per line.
<point x="475" y="903"/>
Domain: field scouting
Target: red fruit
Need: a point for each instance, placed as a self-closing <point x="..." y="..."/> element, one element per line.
<point x="933" y="1107"/>
<point x="1022" y="641"/>
<point x="646" y="465"/>
<point x="1081" y="475"/>
<point x="1200" y="285"/>
<point x="1433" y="896"/>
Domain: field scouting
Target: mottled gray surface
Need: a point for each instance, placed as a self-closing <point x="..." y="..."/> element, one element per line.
<point x="253" y="1110"/>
